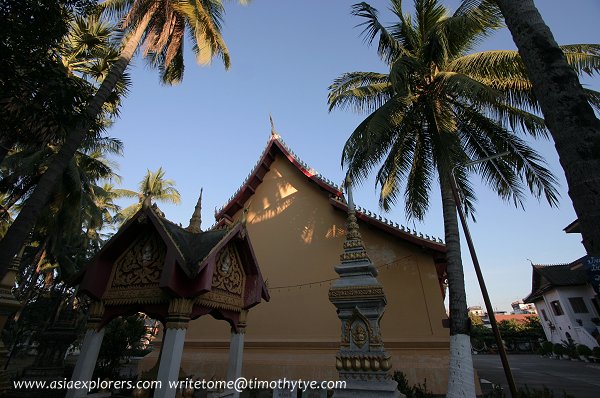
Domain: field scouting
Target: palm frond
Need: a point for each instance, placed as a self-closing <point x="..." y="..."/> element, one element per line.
<point x="418" y="181"/>
<point x="388" y="48"/>
<point x="472" y="21"/>
<point x="371" y="140"/>
<point x="359" y="91"/>
<point x="526" y="164"/>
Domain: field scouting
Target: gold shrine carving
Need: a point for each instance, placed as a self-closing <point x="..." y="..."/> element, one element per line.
<point x="141" y="264"/>
<point x="137" y="295"/>
<point x="364" y="363"/>
<point x="356" y="292"/>
<point x="359" y="335"/>
<point x="228" y="276"/>
<point x="350" y="328"/>
<point x="95" y="313"/>
<point x="180" y="310"/>
<point x="221" y="300"/>
<point x="353" y="256"/>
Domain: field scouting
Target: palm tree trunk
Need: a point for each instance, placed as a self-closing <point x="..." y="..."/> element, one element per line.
<point x="12" y="200"/>
<point x="18" y="231"/>
<point x="460" y="379"/>
<point x="570" y="118"/>
<point x="5" y="146"/>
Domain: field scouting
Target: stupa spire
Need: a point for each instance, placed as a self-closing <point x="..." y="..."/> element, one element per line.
<point x="355" y="254"/>
<point x="196" y="220"/>
<point x="360" y="302"/>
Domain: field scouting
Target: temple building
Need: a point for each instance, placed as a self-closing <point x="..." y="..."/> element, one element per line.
<point x="296" y="220"/>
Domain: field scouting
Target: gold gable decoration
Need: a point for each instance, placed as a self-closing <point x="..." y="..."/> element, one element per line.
<point x="229" y="276"/>
<point x="141" y="264"/>
<point x="136" y="273"/>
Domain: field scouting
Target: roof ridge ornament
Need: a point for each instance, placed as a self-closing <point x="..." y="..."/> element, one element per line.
<point x="196" y="220"/>
<point x="274" y="134"/>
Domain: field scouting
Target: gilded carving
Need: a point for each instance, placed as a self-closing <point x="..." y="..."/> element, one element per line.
<point x="364" y="363"/>
<point x="180" y="310"/>
<point x="357" y="318"/>
<point x="359" y="335"/>
<point x="228" y="274"/>
<point x="137" y="295"/>
<point x="95" y="313"/>
<point x="356" y="292"/>
<point x="242" y="321"/>
<point x="180" y="307"/>
<point x="141" y="264"/>
<point x="353" y="256"/>
<point x="352" y="244"/>
<point x="221" y="300"/>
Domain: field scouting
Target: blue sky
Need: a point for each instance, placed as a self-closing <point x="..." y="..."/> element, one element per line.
<point x="209" y="130"/>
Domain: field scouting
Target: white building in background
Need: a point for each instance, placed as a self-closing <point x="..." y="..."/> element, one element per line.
<point x="566" y="303"/>
<point x="476" y="310"/>
<point x="519" y="307"/>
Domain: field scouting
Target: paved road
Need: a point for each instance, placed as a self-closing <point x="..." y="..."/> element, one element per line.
<point x="579" y="379"/>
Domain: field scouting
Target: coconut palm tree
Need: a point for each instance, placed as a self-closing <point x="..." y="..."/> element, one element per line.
<point x="153" y="187"/>
<point x="437" y="108"/>
<point x="77" y="207"/>
<point x="160" y="25"/>
<point x="564" y="103"/>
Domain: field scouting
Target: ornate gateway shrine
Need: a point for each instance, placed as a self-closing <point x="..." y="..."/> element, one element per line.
<point x="174" y="275"/>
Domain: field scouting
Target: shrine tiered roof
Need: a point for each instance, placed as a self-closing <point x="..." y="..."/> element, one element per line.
<point x="277" y="146"/>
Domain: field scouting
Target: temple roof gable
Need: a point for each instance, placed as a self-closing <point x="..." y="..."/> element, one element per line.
<point x="276" y="146"/>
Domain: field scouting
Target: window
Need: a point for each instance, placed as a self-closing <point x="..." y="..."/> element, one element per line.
<point x="556" y="307"/>
<point x="544" y="316"/>
<point x="578" y="305"/>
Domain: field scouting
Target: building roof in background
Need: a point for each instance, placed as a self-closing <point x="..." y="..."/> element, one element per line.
<point x="573" y="228"/>
<point x="520" y="318"/>
<point x="547" y="277"/>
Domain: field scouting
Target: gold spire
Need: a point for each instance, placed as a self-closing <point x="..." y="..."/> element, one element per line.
<point x="353" y="238"/>
<point x="273" y="132"/>
<point x="196" y="220"/>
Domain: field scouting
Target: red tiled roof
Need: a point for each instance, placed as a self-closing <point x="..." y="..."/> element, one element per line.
<point x="521" y="318"/>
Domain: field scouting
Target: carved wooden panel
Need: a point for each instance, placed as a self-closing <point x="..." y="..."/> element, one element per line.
<point x="141" y="264"/>
<point x="229" y="275"/>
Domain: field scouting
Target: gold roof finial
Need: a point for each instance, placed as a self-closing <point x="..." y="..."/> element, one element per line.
<point x="196" y="220"/>
<point x="273" y="132"/>
<point x="353" y="234"/>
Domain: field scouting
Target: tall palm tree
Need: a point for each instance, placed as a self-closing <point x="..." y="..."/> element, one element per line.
<point x="75" y="208"/>
<point x="160" y="25"/>
<point x="153" y="187"/>
<point x="438" y="107"/>
<point x="571" y="120"/>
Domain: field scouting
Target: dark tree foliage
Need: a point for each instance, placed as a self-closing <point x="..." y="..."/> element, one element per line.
<point x="122" y="339"/>
<point x="38" y="98"/>
<point x="517" y="336"/>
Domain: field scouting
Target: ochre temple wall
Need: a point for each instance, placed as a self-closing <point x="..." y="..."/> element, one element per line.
<point x="297" y="236"/>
